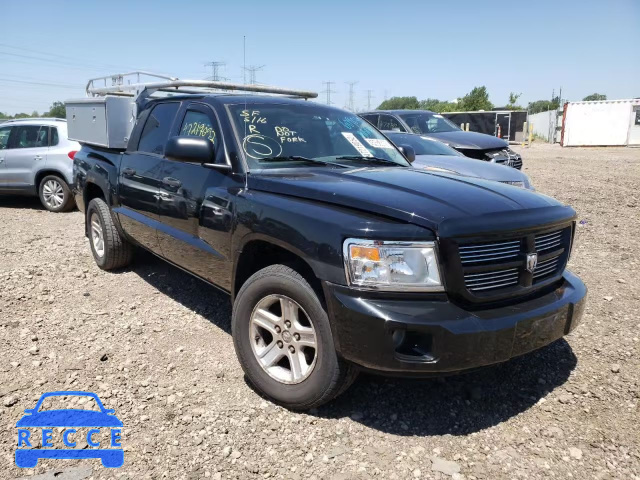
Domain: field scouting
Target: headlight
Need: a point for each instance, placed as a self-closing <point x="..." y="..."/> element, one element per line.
<point x="392" y="265"/>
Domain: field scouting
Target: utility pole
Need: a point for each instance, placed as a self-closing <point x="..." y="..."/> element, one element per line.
<point x="351" y="103"/>
<point x="369" y="97"/>
<point x="328" y="91"/>
<point x="215" y="69"/>
<point x="252" y="69"/>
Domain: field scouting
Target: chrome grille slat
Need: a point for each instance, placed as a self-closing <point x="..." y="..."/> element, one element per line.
<point x="489" y="252"/>
<point x="493" y="279"/>
<point x="464" y="261"/>
<point x="490" y="249"/>
<point x="486" y="245"/>
<point x="494" y="286"/>
<point x="501" y="281"/>
<point x="554" y="234"/>
<point x="474" y="276"/>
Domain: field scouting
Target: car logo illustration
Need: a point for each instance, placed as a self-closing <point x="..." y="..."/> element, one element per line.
<point x="69" y="419"/>
<point x="532" y="262"/>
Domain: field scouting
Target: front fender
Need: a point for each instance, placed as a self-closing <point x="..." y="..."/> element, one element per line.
<point x="314" y="231"/>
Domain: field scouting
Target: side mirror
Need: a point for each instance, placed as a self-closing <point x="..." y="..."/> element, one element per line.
<point x="109" y="411"/>
<point x="190" y="149"/>
<point x="408" y="152"/>
<point x="30" y="410"/>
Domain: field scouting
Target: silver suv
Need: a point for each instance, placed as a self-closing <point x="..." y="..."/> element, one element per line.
<point x="36" y="158"/>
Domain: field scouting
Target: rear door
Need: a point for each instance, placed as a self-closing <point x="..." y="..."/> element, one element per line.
<point x="195" y="203"/>
<point x="27" y="154"/>
<point x="140" y="175"/>
<point x="5" y="133"/>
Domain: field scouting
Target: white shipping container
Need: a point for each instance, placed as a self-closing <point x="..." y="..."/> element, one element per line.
<point x="608" y="122"/>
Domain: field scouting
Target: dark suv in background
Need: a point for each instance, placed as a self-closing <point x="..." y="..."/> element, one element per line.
<point x="433" y="125"/>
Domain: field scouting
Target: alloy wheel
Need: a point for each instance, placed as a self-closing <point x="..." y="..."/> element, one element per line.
<point x="53" y="193"/>
<point x="97" y="237"/>
<point x="283" y="339"/>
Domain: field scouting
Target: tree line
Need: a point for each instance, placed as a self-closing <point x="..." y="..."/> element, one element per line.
<point x="56" y="110"/>
<point x="476" y="99"/>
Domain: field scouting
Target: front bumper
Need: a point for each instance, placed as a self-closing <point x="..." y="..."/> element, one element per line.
<point x="405" y="335"/>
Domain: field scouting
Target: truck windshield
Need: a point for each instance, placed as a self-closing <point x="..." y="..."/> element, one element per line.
<point x="428" y="123"/>
<point x="292" y="135"/>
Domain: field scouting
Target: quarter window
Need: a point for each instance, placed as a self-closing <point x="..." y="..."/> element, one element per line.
<point x="387" y="122"/>
<point x="198" y="124"/>
<point x="4" y="137"/>
<point x="54" y="137"/>
<point x="31" y="136"/>
<point x="372" y="119"/>
<point x="156" y="130"/>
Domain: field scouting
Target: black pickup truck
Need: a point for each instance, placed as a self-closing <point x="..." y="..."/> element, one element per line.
<point x="337" y="255"/>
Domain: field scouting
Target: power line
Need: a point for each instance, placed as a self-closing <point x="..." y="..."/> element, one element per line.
<point x="252" y="69"/>
<point x="351" y="103"/>
<point x="328" y="91"/>
<point x="369" y="97"/>
<point x="215" y="70"/>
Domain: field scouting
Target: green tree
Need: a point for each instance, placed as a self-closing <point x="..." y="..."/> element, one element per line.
<point x="543" y="105"/>
<point x="21" y="115"/>
<point x="438" y="106"/>
<point x="476" y="99"/>
<point x="57" y="110"/>
<point x="594" y="96"/>
<point x="513" y="99"/>
<point x="400" y="103"/>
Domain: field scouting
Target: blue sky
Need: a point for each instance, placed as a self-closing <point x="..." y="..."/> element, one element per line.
<point x="429" y="49"/>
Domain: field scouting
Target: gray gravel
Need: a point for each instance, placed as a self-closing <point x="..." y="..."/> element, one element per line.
<point x="154" y="344"/>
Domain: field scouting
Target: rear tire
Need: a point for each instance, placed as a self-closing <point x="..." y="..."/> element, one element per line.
<point x="110" y="249"/>
<point x="55" y="195"/>
<point x="322" y="375"/>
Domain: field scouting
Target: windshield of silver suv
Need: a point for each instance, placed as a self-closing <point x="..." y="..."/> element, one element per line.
<point x="428" y="123"/>
<point x="290" y="135"/>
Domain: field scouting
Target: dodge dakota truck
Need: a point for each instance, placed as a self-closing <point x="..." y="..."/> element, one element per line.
<point x="337" y="255"/>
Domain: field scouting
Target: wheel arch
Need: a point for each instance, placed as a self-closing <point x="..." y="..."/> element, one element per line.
<point x="46" y="172"/>
<point x="259" y="251"/>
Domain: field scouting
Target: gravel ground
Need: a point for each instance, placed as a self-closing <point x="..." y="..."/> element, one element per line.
<point x="154" y="344"/>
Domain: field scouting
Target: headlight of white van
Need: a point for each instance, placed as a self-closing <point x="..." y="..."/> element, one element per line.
<point x="392" y="265"/>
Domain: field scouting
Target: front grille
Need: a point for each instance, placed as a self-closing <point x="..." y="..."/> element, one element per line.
<point x="546" y="268"/>
<point x="505" y="267"/>
<point x="548" y="241"/>
<point x="490" y="280"/>
<point x="489" y="252"/>
<point x="516" y="162"/>
<point x="504" y="156"/>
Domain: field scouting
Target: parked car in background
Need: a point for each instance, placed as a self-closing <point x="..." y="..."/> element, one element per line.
<point x="434" y="155"/>
<point x="427" y="123"/>
<point x="36" y="158"/>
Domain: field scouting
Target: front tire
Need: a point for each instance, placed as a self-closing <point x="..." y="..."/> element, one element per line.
<point x="283" y="340"/>
<point x="110" y="249"/>
<point x="55" y="194"/>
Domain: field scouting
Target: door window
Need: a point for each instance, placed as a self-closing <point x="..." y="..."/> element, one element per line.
<point x="387" y="122"/>
<point x="31" y="136"/>
<point x="156" y="130"/>
<point x="4" y="137"/>
<point x="198" y="124"/>
<point x="372" y="119"/>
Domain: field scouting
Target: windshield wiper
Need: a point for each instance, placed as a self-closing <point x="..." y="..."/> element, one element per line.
<point x="299" y="158"/>
<point x="368" y="159"/>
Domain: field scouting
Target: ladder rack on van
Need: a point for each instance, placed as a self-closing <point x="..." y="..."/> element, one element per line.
<point x="107" y="116"/>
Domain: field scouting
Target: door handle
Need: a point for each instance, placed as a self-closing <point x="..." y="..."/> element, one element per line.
<point x="172" y="182"/>
<point x="128" y="171"/>
<point x="1" y="160"/>
<point x="37" y="157"/>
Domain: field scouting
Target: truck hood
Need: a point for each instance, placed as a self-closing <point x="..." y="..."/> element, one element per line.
<point x="472" y="140"/>
<point x="447" y="204"/>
